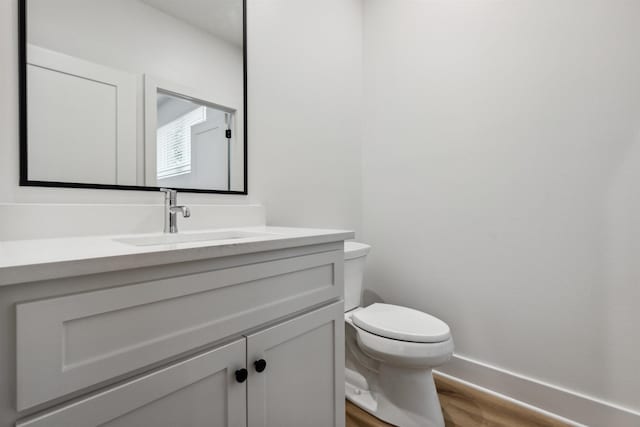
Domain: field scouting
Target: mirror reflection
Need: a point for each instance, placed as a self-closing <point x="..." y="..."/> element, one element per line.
<point x="193" y="144"/>
<point x="141" y="92"/>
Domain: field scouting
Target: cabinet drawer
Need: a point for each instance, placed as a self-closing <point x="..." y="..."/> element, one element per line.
<point x="69" y="343"/>
<point x="200" y="391"/>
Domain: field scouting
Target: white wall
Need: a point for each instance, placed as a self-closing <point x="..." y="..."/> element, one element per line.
<point x="501" y="169"/>
<point x="305" y="74"/>
<point x="304" y="129"/>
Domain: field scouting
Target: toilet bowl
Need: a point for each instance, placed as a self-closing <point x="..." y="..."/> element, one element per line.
<point x="390" y="353"/>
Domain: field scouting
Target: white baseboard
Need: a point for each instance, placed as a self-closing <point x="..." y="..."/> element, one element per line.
<point x="575" y="408"/>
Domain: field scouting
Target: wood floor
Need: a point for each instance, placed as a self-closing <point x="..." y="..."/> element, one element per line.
<point x="464" y="406"/>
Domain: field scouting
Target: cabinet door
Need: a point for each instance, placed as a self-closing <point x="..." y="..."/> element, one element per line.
<point x="197" y="392"/>
<point x="302" y="383"/>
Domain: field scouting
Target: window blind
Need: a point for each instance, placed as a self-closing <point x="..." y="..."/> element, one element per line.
<point x="174" y="144"/>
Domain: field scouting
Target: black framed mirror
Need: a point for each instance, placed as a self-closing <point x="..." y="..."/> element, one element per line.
<point x="134" y="94"/>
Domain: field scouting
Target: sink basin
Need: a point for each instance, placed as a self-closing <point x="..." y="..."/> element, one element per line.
<point x="166" y="239"/>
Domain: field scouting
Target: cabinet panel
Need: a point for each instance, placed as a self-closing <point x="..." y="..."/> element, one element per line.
<point x="72" y="342"/>
<point x="303" y="382"/>
<point x="198" y="392"/>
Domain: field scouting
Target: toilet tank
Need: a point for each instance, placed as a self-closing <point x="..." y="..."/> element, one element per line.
<point x="354" y="257"/>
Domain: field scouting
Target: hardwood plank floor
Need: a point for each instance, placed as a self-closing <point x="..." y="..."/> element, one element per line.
<point x="357" y="417"/>
<point x="464" y="406"/>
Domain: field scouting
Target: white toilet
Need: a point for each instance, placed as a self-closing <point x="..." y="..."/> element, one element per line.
<point x="390" y="352"/>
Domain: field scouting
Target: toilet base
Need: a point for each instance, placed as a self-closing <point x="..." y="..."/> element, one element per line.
<point x="404" y="397"/>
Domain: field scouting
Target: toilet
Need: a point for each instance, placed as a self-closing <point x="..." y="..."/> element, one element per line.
<point x="390" y="353"/>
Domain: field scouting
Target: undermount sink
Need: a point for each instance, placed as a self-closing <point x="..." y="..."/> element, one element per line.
<point x="166" y="239"/>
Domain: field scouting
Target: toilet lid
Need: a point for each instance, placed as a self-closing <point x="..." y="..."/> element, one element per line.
<point x="355" y="250"/>
<point x="401" y="323"/>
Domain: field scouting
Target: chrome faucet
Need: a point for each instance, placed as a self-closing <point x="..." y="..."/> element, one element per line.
<point x="171" y="210"/>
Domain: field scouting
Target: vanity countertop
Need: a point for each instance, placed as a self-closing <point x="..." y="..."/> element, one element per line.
<point x="32" y="260"/>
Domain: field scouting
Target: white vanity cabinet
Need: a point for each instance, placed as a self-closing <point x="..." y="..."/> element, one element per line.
<point x="254" y="339"/>
<point x="299" y="383"/>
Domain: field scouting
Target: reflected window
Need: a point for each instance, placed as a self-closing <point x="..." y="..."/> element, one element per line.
<point x="174" y="143"/>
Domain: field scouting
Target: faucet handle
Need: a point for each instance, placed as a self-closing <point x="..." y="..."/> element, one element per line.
<point x="186" y="211"/>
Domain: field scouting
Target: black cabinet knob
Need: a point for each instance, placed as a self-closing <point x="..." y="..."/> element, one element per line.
<point x="260" y="365"/>
<point x="241" y="375"/>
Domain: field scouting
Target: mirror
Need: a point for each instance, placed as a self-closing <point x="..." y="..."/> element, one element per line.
<point x="134" y="94"/>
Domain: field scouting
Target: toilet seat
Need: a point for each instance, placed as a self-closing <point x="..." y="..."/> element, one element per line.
<point x="401" y="323"/>
<point x="404" y="353"/>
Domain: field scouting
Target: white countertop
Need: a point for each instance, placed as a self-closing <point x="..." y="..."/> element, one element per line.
<point x="32" y="260"/>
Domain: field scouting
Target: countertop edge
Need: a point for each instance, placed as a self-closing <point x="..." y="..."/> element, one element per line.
<point x="21" y="274"/>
